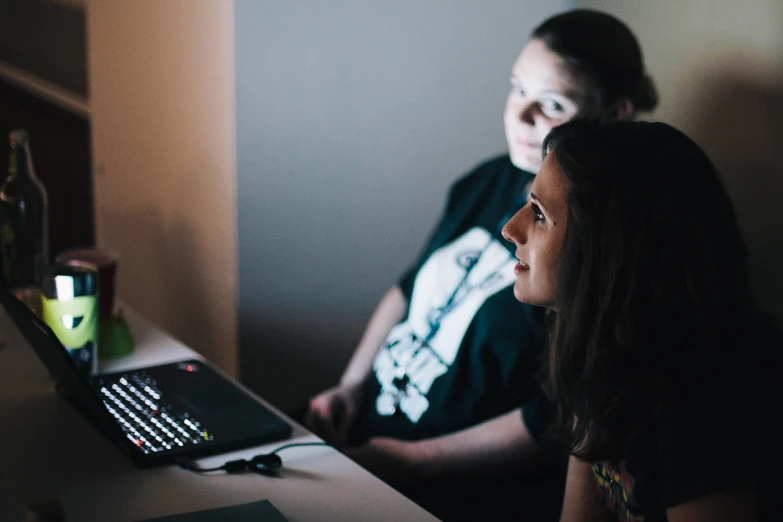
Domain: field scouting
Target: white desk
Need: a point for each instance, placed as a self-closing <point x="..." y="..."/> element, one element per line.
<point x="49" y="451"/>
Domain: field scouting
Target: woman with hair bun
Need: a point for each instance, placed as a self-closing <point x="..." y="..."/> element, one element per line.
<point x="432" y="400"/>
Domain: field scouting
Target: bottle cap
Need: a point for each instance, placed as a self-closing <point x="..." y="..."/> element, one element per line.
<point x="18" y="137"/>
<point x="64" y="282"/>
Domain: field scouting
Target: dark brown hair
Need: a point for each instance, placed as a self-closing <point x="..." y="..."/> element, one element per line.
<point x="605" y="50"/>
<point x="652" y="280"/>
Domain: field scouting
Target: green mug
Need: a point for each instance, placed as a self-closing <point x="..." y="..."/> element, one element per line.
<point x="69" y="306"/>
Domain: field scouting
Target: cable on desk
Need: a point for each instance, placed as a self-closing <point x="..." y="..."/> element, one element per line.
<point x="263" y="463"/>
<point x="296" y="444"/>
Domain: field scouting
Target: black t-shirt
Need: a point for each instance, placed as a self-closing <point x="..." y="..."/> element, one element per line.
<point x="467" y="350"/>
<point x="720" y="436"/>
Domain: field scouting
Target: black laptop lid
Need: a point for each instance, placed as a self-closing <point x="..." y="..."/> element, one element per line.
<point x="60" y="365"/>
<point x="241" y="420"/>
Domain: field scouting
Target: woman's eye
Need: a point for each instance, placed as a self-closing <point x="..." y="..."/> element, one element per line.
<point x="537" y="214"/>
<point x="517" y="89"/>
<point x="552" y="107"/>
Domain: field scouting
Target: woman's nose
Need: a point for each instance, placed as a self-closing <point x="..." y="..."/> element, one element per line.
<point x="513" y="231"/>
<point x="504" y="233"/>
<point x="526" y="113"/>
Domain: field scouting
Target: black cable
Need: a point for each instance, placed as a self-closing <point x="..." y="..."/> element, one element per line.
<point x="187" y="464"/>
<point x="295" y="444"/>
<point x="263" y="463"/>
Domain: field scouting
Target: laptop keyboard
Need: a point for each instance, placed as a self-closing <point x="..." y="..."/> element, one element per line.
<point x="147" y="419"/>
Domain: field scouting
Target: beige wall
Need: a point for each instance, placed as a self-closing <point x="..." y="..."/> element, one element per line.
<point x="161" y="80"/>
<point x="718" y="65"/>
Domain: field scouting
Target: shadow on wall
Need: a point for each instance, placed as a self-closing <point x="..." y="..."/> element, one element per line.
<point x="304" y="353"/>
<point x="152" y="257"/>
<point x="738" y="119"/>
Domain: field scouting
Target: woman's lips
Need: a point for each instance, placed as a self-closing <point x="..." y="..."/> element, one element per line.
<point x="521" y="267"/>
<point x="530" y="144"/>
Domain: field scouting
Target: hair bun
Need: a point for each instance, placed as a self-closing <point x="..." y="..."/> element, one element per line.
<point x="603" y="48"/>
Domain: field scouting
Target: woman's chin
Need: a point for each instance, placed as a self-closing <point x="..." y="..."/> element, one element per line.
<point x="523" y="294"/>
<point x="528" y="160"/>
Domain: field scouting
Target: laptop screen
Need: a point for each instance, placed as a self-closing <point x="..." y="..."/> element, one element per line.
<point x="55" y="357"/>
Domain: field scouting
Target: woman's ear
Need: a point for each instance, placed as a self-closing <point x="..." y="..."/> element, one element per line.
<point x="622" y="109"/>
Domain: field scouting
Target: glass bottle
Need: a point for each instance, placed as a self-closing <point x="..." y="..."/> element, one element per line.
<point x="24" y="230"/>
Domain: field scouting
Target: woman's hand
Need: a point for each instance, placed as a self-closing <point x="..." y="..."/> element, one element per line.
<point x="394" y="461"/>
<point x="331" y="413"/>
<point x="582" y="500"/>
<point x="496" y="447"/>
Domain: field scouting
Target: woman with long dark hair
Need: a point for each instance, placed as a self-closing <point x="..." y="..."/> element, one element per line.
<point x="664" y="373"/>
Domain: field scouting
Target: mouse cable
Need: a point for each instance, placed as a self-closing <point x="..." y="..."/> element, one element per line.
<point x="264" y="462"/>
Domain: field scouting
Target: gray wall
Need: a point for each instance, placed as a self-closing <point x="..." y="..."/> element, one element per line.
<point x="352" y="120"/>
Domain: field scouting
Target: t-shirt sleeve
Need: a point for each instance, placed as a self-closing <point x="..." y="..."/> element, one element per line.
<point x="537" y="415"/>
<point x="456" y="192"/>
<point x="721" y="435"/>
<point x="406" y="281"/>
<point x="722" y="439"/>
<point x="700" y="452"/>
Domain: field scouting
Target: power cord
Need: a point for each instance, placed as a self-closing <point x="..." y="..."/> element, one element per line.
<point x="263" y="463"/>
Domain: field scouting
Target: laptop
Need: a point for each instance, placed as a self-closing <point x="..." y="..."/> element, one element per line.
<point x="154" y="414"/>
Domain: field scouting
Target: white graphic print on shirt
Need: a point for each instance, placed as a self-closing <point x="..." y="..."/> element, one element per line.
<point x="443" y="304"/>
